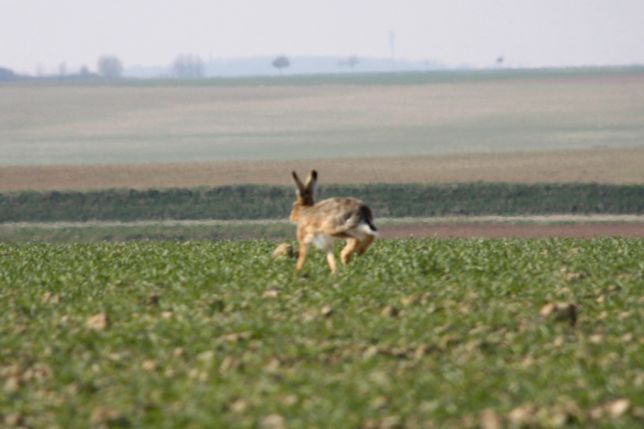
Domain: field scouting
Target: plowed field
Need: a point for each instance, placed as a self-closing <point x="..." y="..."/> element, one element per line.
<point x="594" y="165"/>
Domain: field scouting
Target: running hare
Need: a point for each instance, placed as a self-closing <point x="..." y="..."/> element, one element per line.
<point x="334" y="218"/>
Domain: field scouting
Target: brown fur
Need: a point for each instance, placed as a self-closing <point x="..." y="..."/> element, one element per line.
<point x="334" y="218"/>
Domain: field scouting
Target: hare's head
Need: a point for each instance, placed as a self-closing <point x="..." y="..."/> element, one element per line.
<point x="304" y="193"/>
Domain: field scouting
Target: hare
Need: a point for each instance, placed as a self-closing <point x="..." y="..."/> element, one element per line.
<point x="334" y="218"/>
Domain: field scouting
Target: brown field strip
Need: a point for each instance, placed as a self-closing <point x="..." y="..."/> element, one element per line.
<point x="510" y="230"/>
<point x="618" y="166"/>
<point x="496" y="227"/>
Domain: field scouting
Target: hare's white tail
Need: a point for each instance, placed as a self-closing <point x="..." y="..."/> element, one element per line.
<point x="368" y="228"/>
<point x="366" y="222"/>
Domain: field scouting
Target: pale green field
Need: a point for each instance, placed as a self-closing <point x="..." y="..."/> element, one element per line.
<point x="333" y="118"/>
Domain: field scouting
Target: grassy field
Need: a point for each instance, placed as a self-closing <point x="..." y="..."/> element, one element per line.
<point x="417" y="333"/>
<point x="399" y="115"/>
<point x="61" y="232"/>
<point x="630" y="226"/>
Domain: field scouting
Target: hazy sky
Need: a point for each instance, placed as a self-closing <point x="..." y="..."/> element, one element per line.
<point x="45" y="33"/>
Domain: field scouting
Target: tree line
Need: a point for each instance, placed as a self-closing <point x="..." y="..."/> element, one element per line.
<point x="110" y="67"/>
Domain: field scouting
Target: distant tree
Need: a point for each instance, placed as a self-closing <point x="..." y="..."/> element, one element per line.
<point x="62" y="69"/>
<point x="188" y="66"/>
<point x="7" y="74"/>
<point x="281" y="62"/>
<point x="110" y="67"/>
<point x="352" y="61"/>
<point x="392" y="47"/>
<point x="349" y="62"/>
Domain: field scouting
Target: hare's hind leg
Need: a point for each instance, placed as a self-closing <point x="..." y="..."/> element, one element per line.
<point x="349" y="250"/>
<point x="365" y="243"/>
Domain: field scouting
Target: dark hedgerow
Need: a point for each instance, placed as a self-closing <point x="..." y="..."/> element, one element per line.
<point x="271" y="202"/>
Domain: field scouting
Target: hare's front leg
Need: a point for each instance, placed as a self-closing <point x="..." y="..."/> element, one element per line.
<point x="325" y="243"/>
<point x="301" y="255"/>
<point x="330" y="258"/>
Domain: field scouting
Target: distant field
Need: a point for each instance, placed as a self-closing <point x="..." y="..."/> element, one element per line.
<point x="320" y="118"/>
<point x="615" y="166"/>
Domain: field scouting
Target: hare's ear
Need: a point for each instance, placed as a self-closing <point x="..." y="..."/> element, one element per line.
<point x="312" y="180"/>
<point x="298" y="183"/>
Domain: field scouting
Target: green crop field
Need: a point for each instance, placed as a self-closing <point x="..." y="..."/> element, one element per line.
<point x="272" y="202"/>
<point x="417" y="333"/>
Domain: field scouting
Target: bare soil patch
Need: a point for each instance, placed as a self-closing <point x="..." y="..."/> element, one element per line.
<point x="504" y="230"/>
<point x="617" y="166"/>
<point x="528" y="227"/>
